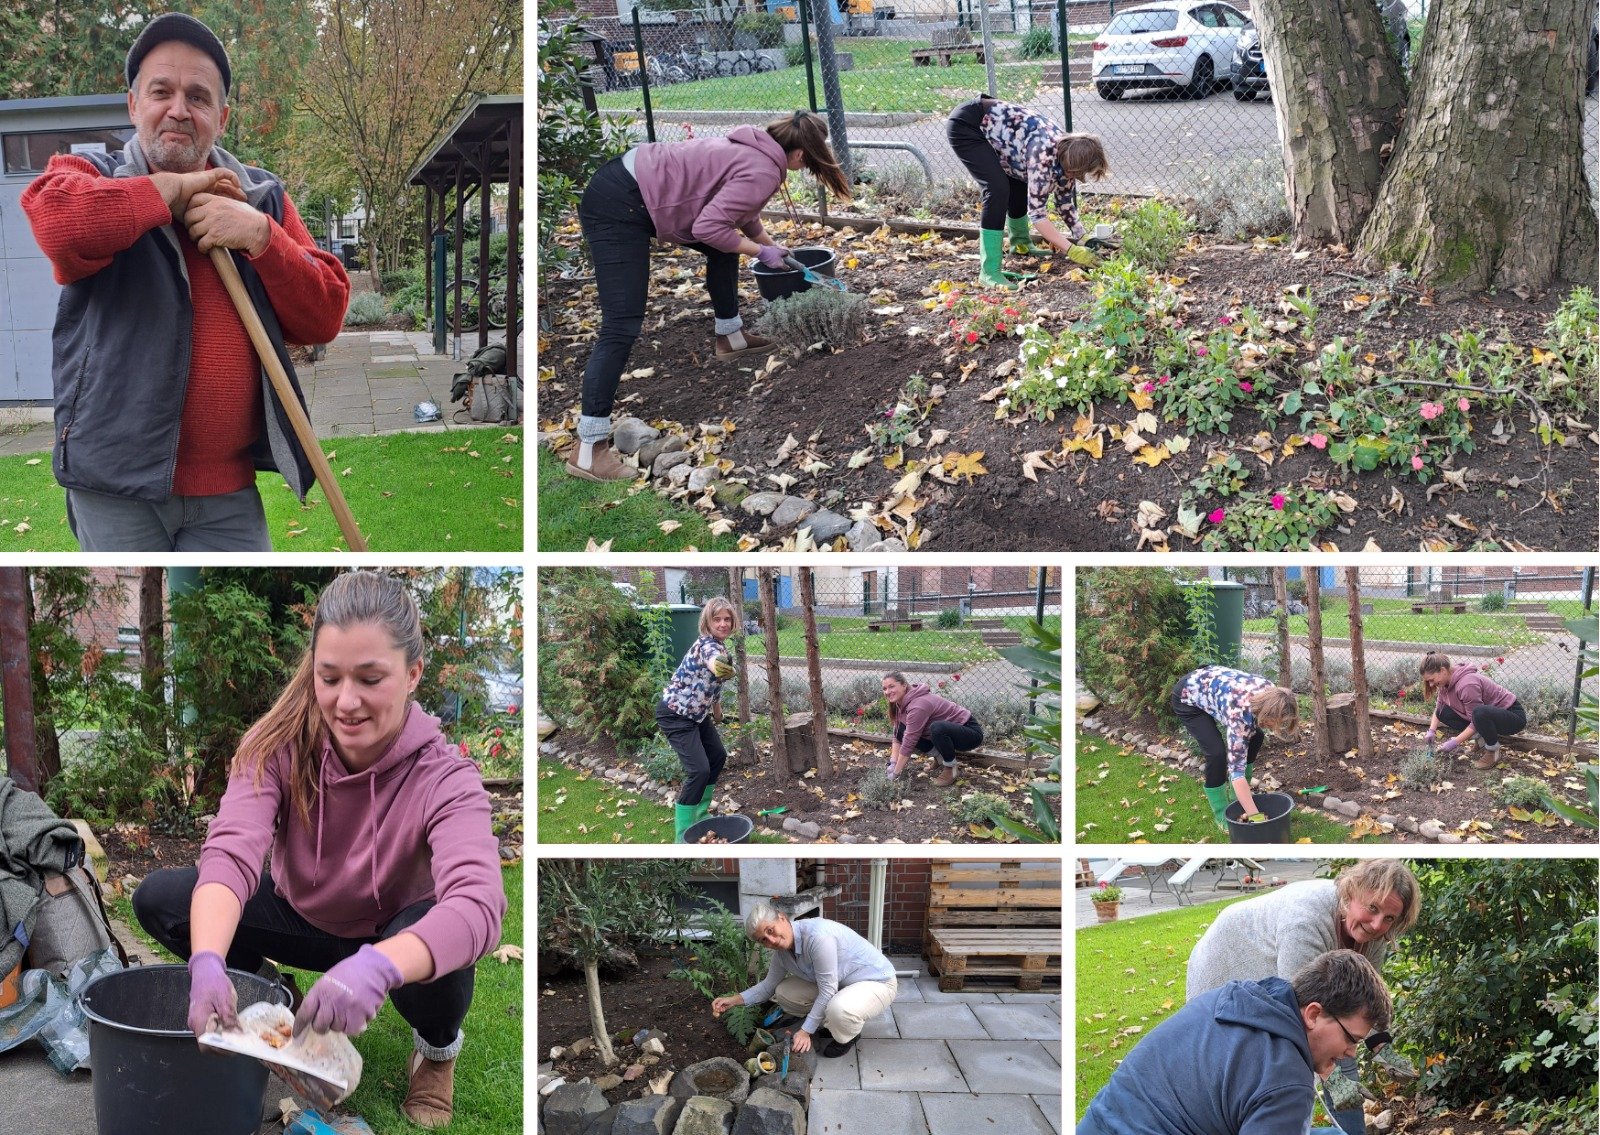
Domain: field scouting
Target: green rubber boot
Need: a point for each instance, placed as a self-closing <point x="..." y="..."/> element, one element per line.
<point x="1021" y="235"/>
<point x="990" y="274"/>
<point x="683" y="819"/>
<point x="704" y="806"/>
<point x="1219" y="798"/>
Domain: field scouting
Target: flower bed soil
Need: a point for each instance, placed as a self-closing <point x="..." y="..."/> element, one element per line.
<point x="1083" y="504"/>
<point x="1463" y="804"/>
<point x="643" y="998"/>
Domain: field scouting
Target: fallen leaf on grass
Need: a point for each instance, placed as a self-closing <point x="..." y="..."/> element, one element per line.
<point x="670" y="526"/>
<point x="593" y="547"/>
<point x="507" y="954"/>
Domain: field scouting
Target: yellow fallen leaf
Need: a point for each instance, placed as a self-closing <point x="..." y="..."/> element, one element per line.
<point x="1093" y="446"/>
<point x="968" y="465"/>
<point x="1152" y="455"/>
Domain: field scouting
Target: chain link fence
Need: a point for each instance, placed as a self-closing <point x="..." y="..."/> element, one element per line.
<point x="1181" y="101"/>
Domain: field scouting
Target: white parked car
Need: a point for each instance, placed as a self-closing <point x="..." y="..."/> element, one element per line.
<point x="1184" y="46"/>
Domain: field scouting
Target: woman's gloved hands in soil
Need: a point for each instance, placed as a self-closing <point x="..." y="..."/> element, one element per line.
<point x="211" y="993"/>
<point x="1450" y="746"/>
<point x="772" y="255"/>
<point x="1430" y="736"/>
<point x="347" y="997"/>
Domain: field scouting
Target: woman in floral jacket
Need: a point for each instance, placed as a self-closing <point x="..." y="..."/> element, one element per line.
<point x="688" y="711"/>
<point x="1242" y="705"/>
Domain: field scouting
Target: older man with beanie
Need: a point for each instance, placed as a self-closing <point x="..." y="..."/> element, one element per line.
<point x="163" y="412"/>
<point x="1244" y="1058"/>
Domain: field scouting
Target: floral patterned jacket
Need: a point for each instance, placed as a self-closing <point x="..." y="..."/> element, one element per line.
<point x="1026" y="145"/>
<point x="1225" y="694"/>
<point x="694" y="689"/>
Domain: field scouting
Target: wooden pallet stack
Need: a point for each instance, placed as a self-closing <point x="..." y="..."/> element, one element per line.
<point x="997" y="921"/>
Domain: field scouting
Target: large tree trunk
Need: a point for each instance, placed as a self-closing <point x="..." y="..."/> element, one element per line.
<point x="747" y="743"/>
<point x="47" y="743"/>
<point x="766" y="579"/>
<point x="1339" y="95"/>
<point x="1280" y="595"/>
<point x="153" y="654"/>
<point x="1319" y="672"/>
<point x="1358" y="664"/>
<point x="819" y="704"/>
<point x="597" y="1014"/>
<point x="1487" y="185"/>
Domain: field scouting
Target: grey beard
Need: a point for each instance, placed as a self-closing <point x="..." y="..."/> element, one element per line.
<point x="184" y="158"/>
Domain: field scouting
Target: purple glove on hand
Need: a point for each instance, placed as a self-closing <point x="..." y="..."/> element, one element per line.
<point x="1450" y="746"/>
<point x="772" y="255"/>
<point x="211" y="993"/>
<point x="1430" y="735"/>
<point x="347" y="997"/>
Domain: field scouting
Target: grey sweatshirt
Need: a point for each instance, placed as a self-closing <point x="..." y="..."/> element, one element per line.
<point x="830" y="955"/>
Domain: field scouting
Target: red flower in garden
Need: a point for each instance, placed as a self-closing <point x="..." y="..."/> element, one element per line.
<point x="511" y="709"/>
<point x="957" y="677"/>
<point x="1499" y="659"/>
<point x="972" y="336"/>
<point x="464" y="750"/>
<point x="1246" y="387"/>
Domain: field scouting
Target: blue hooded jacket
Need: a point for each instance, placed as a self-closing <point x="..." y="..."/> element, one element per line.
<point x="1233" y="1061"/>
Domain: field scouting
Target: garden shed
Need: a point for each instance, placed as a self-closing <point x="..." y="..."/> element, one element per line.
<point x="31" y="131"/>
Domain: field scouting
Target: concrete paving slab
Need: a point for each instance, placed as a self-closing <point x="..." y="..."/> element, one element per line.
<point x="1050" y="1107"/>
<point x="906" y="989"/>
<point x="1047" y="997"/>
<point x="839" y="1073"/>
<point x="907" y="1065"/>
<point x="939" y="1022"/>
<point x="1005" y="1066"/>
<point x="865" y="1113"/>
<point x="1053" y="1047"/>
<point x="882" y="1027"/>
<point x="932" y="993"/>
<point x="1018" y="1022"/>
<point x="964" y="1114"/>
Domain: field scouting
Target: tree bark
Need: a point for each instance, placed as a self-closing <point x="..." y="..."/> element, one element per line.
<point x="153" y="654"/>
<point x="819" y="704"/>
<point x="1319" y="672"/>
<point x="1487" y="186"/>
<point x="1339" y="96"/>
<point x="1358" y="664"/>
<point x="1280" y="595"/>
<point x="47" y="745"/>
<point x="798" y="729"/>
<point x="747" y="743"/>
<point x="16" y="682"/>
<point x="766" y="580"/>
<point x="597" y="1013"/>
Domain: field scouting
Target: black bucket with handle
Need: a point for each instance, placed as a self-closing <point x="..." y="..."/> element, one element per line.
<point x="778" y="283"/>
<point x="1277" y="807"/>
<point x="728" y="829"/>
<point x="150" y="1075"/>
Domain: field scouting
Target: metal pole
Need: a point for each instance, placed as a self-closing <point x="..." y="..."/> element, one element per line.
<point x="1064" y="42"/>
<point x="805" y="50"/>
<point x="988" y="44"/>
<point x="830" y="91"/>
<point x="644" y="77"/>
<point x="1581" y="665"/>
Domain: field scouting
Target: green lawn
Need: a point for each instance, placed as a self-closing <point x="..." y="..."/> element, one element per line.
<point x="1393" y="619"/>
<point x="849" y="638"/>
<point x="1125" y="797"/>
<point x="575" y="807"/>
<point x="411" y="492"/>
<point x="573" y="512"/>
<point x="489" y="1072"/>
<point x="882" y="78"/>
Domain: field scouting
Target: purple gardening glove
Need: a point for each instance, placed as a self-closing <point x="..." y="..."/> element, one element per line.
<point x="1077" y="231"/>
<point x="1430" y="735"/>
<point x="772" y="255"/>
<point x="211" y="993"/>
<point x="1450" y="746"/>
<point x="347" y="997"/>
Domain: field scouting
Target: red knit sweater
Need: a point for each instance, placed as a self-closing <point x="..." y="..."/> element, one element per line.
<point x="82" y="219"/>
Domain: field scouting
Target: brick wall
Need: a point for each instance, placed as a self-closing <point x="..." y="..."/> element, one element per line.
<point x="905" y="905"/>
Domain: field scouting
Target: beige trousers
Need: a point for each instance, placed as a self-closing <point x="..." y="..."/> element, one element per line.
<point x="849" y="1011"/>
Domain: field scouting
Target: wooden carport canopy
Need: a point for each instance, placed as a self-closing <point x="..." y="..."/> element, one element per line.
<point x="483" y="147"/>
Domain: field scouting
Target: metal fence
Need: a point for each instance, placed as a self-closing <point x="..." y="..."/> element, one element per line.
<point x="888" y="72"/>
<point x="1508" y="623"/>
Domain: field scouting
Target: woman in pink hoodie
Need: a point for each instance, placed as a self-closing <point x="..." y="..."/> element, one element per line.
<point x="706" y="194"/>
<point x="1469" y="703"/>
<point x="400" y="914"/>
<point x="924" y="722"/>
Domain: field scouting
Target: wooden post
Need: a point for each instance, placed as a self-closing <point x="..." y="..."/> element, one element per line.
<point x="767" y="580"/>
<point x="1319" y="672"/>
<point x="747" y="743"/>
<point x="1280" y="595"/>
<point x="153" y="652"/>
<point x="16" y="678"/>
<point x="819" y="704"/>
<point x="797" y="741"/>
<point x="1358" y="664"/>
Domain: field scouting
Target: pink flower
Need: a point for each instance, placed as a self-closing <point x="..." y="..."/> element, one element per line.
<point x="1277" y="501"/>
<point x="1225" y="320"/>
<point x="1246" y="387"/>
<point x="957" y="677"/>
<point x="1319" y="441"/>
<point x="1462" y="404"/>
<point x="972" y="336"/>
<point x="1416" y="462"/>
<point x="1011" y="311"/>
<point x="999" y="326"/>
<point x="1431" y="410"/>
<point x="464" y="749"/>
<point x="1146" y="387"/>
<point x="1202" y="351"/>
<point x="1499" y="659"/>
<point x="511" y="709"/>
<point x="1215" y="517"/>
<point x="1164" y="379"/>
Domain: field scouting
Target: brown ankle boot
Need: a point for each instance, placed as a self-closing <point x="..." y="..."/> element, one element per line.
<point x="741" y="342"/>
<point x="430" y="1102"/>
<point x="945" y="778"/>
<point x="604" y="465"/>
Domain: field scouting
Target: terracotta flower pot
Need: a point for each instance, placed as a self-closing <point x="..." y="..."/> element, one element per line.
<point x="1106" y="911"/>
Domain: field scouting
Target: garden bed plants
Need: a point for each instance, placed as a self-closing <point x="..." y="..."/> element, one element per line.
<point x="1186" y="394"/>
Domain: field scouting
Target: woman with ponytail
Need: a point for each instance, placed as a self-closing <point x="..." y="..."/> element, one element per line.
<point x="706" y="194"/>
<point x="400" y="913"/>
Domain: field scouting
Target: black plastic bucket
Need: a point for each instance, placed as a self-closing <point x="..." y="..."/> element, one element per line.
<point x="776" y="283"/>
<point x="1277" y="807"/>
<point x="150" y="1077"/>
<point x="733" y="829"/>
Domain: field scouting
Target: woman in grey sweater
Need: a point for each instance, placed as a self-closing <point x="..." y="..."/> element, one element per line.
<point x="821" y="969"/>
<point x="1365" y="909"/>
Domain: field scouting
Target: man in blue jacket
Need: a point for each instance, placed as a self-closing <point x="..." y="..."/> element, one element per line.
<point x="1242" y="1059"/>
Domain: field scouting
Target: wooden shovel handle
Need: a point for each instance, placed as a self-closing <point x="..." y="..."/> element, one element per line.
<point x="229" y="271"/>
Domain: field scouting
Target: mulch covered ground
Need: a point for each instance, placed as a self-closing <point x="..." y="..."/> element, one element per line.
<point x="1507" y="501"/>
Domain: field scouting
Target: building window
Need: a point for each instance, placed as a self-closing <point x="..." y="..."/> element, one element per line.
<point x="30" y="153"/>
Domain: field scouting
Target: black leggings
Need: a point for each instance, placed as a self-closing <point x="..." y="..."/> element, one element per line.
<point x="618" y="229"/>
<point x="1203" y="728"/>
<point x="947" y="739"/>
<point x="1002" y="196"/>
<point x="270" y="928"/>
<point x="1491" y="722"/>
<point x="699" y="747"/>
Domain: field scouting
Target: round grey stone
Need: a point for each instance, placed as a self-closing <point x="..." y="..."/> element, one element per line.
<point x="701" y="477"/>
<point x="826" y="526"/>
<point x="761" y="504"/>
<point x="792" y="510"/>
<point x="861" y="534"/>
<point x="650" y="450"/>
<point x="770" y="1113"/>
<point x="629" y="433"/>
<point x="720" y="1077"/>
<point x="669" y="461"/>
<point x="705" y="1115"/>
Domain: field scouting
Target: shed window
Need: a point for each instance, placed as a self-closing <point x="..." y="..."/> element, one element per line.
<point x="30" y="153"/>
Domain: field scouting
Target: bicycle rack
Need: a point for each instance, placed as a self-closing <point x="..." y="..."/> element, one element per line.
<point x="912" y="149"/>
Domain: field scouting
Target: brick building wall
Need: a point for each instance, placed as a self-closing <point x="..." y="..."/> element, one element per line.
<point x="905" y="903"/>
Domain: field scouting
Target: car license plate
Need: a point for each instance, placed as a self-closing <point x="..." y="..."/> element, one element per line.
<point x="1127" y="69"/>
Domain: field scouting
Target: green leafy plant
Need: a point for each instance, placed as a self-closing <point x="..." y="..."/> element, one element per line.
<point x="977" y="807"/>
<point x="1492" y="601"/>
<point x="877" y="791"/>
<point x="724" y="960"/>
<point x="1069" y="369"/>
<point x="1038" y="43"/>
<point x="366" y="309"/>
<point x="1152" y="232"/>
<point x="949" y="619"/>
<point x="1587" y="629"/>
<point x="1105" y="893"/>
<point x="1133" y="637"/>
<point x="818" y="315"/>
<point x="1421" y="769"/>
<point x="1521" y="792"/>
<point x="902" y="422"/>
<point x="1198" y="600"/>
<point x="978" y="318"/>
<point x="765" y="27"/>
<point x="657" y="760"/>
<point x="594" y="662"/>
<point x="1568" y="370"/>
<point x="1039" y="657"/>
<point x="1285" y="520"/>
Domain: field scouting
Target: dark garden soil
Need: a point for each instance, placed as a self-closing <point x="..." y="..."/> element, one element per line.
<point x="634" y="999"/>
<point x="1464" y="802"/>
<point x="1412" y="1118"/>
<point x="1507" y="501"/>
<point x="920" y="812"/>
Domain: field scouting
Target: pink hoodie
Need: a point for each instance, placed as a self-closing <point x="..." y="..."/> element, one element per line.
<point x="710" y="190"/>
<point x="346" y="878"/>
<point x="920" y="708"/>
<point x="1468" y="689"/>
